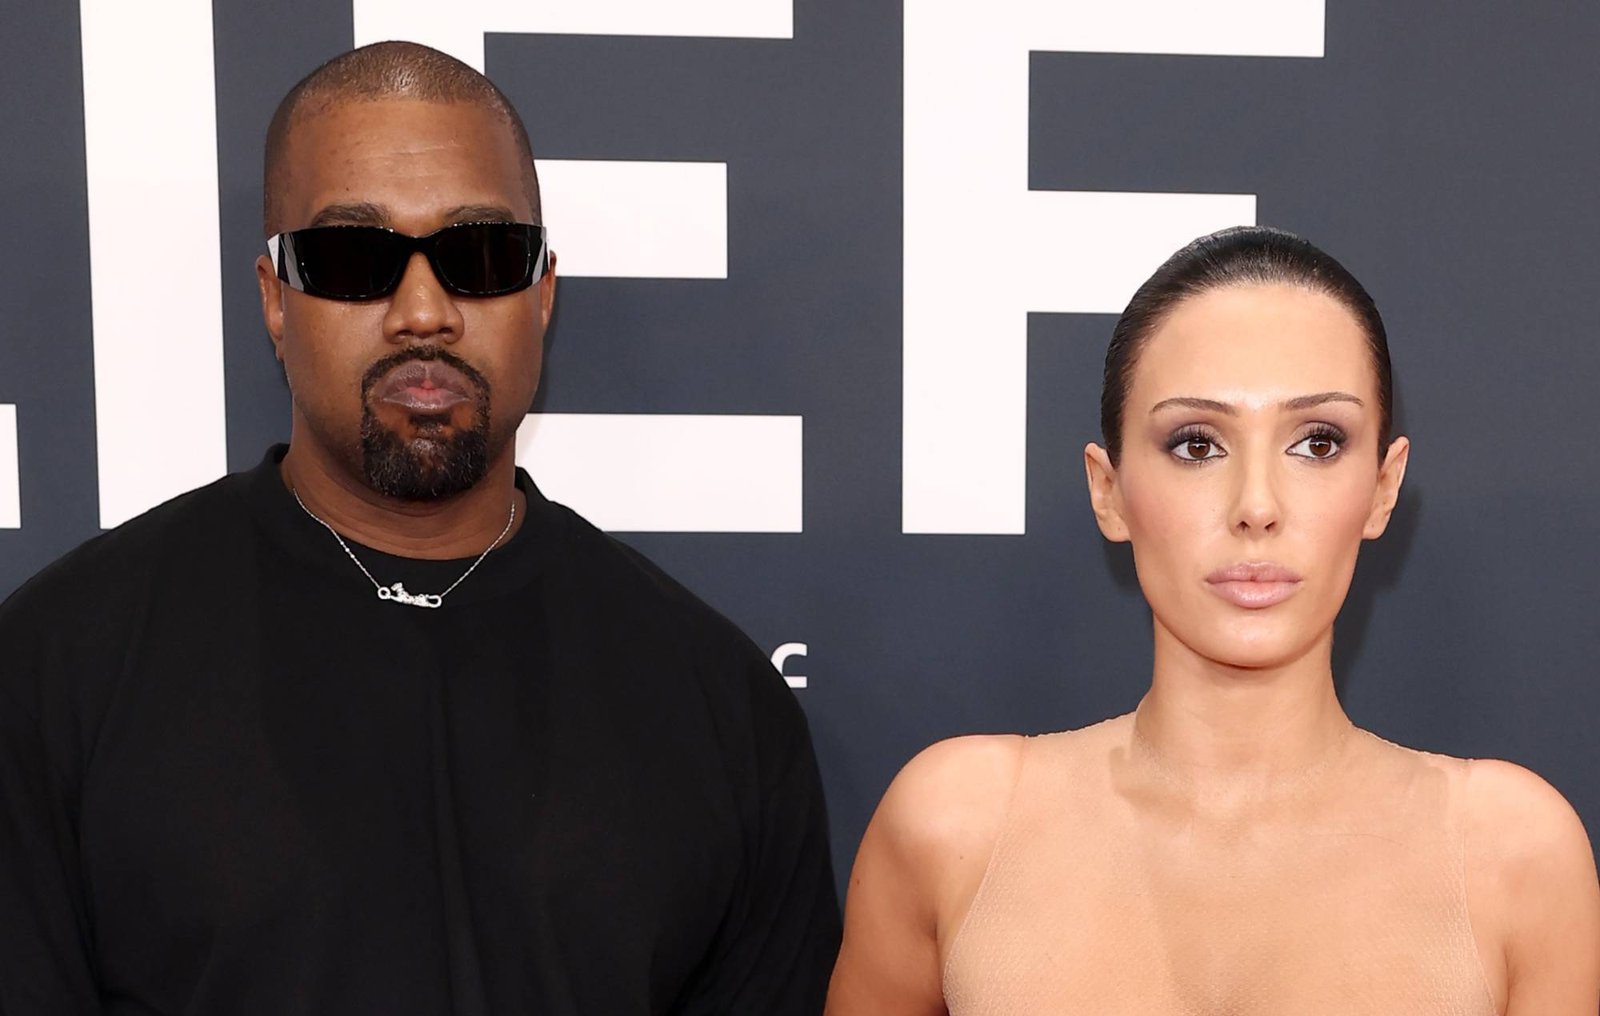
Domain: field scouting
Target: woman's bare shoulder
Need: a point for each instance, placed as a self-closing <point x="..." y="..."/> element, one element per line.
<point x="1532" y="883"/>
<point x="943" y="815"/>
<point x="948" y="803"/>
<point x="924" y="851"/>
<point x="1524" y="824"/>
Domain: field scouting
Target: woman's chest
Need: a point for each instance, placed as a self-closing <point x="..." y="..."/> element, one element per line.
<point x="1325" y="919"/>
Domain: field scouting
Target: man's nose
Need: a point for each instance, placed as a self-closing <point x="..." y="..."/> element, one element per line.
<point x="420" y="308"/>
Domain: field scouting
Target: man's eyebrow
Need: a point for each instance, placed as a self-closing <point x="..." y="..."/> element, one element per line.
<point x="1299" y="402"/>
<point x="359" y="213"/>
<point x="480" y="213"/>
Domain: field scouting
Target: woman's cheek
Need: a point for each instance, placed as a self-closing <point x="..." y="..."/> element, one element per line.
<point x="1167" y="538"/>
<point x="1337" y="513"/>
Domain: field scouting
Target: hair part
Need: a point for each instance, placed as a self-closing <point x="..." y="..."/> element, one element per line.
<point x="384" y="70"/>
<point x="1242" y="255"/>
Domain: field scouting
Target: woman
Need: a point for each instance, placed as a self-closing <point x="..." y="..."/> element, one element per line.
<point x="1233" y="846"/>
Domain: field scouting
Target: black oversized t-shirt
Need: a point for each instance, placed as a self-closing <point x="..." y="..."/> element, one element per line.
<point x="232" y="780"/>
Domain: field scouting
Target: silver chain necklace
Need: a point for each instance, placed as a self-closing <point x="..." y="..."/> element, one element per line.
<point x="397" y="592"/>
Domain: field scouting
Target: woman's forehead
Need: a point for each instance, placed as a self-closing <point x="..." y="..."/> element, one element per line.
<point x="1258" y="342"/>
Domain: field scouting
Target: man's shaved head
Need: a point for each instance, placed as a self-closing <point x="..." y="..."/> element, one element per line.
<point x="383" y="70"/>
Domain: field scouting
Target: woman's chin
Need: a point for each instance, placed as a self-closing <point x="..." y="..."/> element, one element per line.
<point x="1255" y="648"/>
<point x="1246" y="640"/>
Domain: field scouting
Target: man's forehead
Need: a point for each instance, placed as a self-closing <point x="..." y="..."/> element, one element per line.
<point x="383" y="161"/>
<point x="374" y="213"/>
<point x="352" y="121"/>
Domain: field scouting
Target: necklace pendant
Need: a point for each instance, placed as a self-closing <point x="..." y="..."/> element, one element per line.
<point x="397" y="594"/>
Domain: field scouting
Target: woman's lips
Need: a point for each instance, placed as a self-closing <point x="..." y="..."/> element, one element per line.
<point x="1254" y="585"/>
<point x="424" y="386"/>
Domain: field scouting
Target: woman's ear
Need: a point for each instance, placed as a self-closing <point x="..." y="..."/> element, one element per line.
<point x="1104" y="495"/>
<point x="1390" y="475"/>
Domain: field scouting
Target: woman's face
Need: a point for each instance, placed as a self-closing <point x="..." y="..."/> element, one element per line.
<point x="1250" y="470"/>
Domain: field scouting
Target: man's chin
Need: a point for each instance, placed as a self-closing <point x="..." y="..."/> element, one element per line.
<point x="424" y="468"/>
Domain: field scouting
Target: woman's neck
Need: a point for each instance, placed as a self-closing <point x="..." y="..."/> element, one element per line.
<point x="1206" y="716"/>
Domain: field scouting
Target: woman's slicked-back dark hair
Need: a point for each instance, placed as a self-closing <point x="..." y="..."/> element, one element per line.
<point x="1243" y="255"/>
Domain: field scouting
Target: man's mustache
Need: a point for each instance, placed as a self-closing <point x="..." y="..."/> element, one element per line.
<point x="427" y="353"/>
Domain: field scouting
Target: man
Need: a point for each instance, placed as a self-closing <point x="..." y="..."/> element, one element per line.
<point x="374" y="727"/>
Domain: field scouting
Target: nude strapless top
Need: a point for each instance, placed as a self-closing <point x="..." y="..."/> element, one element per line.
<point x="1116" y="888"/>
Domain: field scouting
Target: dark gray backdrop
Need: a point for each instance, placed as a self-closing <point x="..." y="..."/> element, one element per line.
<point x="1446" y="152"/>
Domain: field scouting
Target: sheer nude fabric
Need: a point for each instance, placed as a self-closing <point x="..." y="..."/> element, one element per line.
<point x="1125" y="885"/>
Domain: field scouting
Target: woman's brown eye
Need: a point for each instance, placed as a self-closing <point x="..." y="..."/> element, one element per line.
<point x="1194" y="447"/>
<point x="1318" y="446"/>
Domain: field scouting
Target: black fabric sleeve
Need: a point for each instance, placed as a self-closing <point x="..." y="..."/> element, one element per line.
<point x="45" y="965"/>
<point x="777" y="945"/>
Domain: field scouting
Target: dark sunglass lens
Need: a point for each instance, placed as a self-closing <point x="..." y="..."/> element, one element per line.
<point x="349" y="262"/>
<point x="485" y="258"/>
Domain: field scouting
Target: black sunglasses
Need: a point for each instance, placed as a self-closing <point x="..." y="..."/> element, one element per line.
<point x="367" y="262"/>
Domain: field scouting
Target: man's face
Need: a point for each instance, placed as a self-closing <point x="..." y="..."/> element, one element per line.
<point x="419" y="393"/>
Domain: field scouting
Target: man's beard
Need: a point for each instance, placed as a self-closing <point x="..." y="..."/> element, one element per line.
<point x="438" y="461"/>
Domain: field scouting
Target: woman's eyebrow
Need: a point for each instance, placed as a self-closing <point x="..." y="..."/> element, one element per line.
<point x="1228" y="409"/>
<point x="1308" y="401"/>
<point x="1190" y="402"/>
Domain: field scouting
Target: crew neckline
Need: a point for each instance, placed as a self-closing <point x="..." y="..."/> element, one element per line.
<point x="507" y="568"/>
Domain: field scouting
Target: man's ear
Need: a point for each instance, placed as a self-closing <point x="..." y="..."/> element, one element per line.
<point x="1104" y="496"/>
<point x="547" y="292"/>
<point x="271" y="302"/>
<point x="1390" y="475"/>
